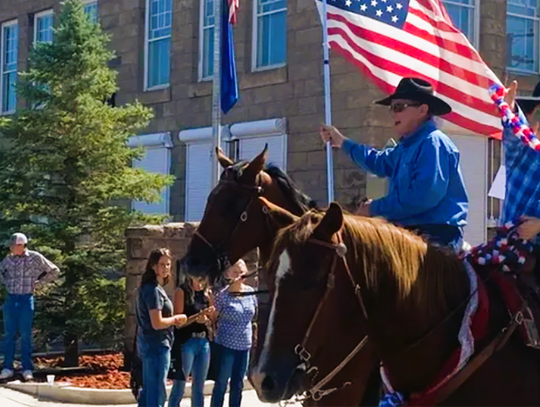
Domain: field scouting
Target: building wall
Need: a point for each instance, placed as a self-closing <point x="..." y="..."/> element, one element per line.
<point x="294" y="92"/>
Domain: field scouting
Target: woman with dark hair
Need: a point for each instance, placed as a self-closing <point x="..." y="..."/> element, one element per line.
<point x="154" y="312"/>
<point x="192" y="300"/>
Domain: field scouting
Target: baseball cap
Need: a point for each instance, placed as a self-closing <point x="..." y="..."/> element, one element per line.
<point x="18" y="238"/>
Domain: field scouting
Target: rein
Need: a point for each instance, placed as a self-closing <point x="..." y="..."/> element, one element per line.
<point x="433" y="396"/>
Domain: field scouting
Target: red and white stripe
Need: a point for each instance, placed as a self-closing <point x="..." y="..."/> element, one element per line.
<point x="233" y="10"/>
<point x="428" y="47"/>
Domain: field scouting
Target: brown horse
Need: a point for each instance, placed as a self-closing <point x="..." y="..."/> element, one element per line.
<point x="234" y="223"/>
<point x="409" y="296"/>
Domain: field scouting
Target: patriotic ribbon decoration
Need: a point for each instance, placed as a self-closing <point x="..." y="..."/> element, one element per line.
<point x="507" y="248"/>
<point x="512" y="121"/>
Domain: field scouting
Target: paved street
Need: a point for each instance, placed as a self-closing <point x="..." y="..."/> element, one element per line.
<point x="10" y="398"/>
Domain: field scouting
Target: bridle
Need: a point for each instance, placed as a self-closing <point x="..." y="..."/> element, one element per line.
<point x="221" y="257"/>
<point x="316" y="392"/>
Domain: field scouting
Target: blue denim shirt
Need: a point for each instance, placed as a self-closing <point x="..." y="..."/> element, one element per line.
<point x="426" y="184"/>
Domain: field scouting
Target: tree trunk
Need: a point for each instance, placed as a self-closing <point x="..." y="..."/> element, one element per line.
<point x="71" y="350"/>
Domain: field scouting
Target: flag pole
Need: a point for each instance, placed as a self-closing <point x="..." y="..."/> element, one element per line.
<point x="216" y="93"/>
<point x="327" y="104"/>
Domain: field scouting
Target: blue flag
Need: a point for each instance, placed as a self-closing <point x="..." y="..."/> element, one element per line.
<point x="229" y="80"/>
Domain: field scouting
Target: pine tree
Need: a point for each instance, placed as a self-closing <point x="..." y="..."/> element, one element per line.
<point x="66" y="178"/>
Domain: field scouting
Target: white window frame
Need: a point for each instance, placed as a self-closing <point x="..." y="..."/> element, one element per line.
<point x="2" y="26"/>
<point x="263" y="128"/>
<point x="202" y="27"/>
<point x="476" y="18"/>
<point x="36" y="17"/>
<point x="155" y="140"/>
<point x="255" y="40"/>
<point x="89" y="2"/>
<point x="536" y="39"/>
<point x="146" y="48"/>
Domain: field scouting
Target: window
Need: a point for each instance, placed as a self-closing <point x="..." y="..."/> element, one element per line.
<point x="43" y="27"/>
<point x="250" y="140"/>
<point x="91" y="10"/>
<point x="522" y="35"/>
<point x="158" y="43"/>
<point x="8" y="68"/>
<point x="206" y="40"/>
<point x="270" y="34"/>
<point x="464" y="17"/>
<point x="157" y="159"/>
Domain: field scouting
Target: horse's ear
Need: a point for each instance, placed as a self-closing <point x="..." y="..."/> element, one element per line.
<point x="255" y="166"/>
<point x="279" y="215"/>
<point x="330" y="224"/>
<point x="224" y="161"/>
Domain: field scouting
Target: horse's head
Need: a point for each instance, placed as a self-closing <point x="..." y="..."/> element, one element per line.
<point x="234" y="221"/>
<point x="309" y="323"/>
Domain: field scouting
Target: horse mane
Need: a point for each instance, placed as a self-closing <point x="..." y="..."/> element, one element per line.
<point x="424" y="276"/>
<point x="283" y="181"/>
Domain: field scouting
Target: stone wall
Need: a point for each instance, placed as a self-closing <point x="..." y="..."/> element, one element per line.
<point x="140" y="242"/>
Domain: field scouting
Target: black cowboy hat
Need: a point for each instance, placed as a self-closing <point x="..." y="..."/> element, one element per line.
<point x="528" y="103"/>
<point x="418" y="90"/>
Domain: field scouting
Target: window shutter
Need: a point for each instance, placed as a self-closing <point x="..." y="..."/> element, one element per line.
<point x="155" y="160"/>
<point x="250" y="147"/>
<point x="473" y="158"/>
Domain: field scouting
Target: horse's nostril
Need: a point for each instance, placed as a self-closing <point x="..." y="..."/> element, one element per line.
<point x="268" y="385"/>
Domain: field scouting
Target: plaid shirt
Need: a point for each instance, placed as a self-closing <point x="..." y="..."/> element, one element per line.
<point x="522" y="178"/>
<point x="21" y="273"/>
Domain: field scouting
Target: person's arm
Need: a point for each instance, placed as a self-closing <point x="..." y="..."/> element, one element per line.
<point x="3" y="271"/>
<point x="46" y="270"/>
<point x="155" y="302"/>
<point x="530" y="228"/>
<point x="427" y="186"/>
<point x="379" y="162"/>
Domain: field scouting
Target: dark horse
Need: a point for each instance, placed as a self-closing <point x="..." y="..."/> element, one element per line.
<point x="235" y="222"/>
<point x="409" y="296"/>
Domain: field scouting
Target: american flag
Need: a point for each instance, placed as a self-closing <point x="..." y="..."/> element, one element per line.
<point x="233" y="10"/>
<point x="391" y="39"/>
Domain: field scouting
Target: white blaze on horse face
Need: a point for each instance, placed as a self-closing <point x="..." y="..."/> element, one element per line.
<point x="282" y="269"/>
<point x="283" y="266"/>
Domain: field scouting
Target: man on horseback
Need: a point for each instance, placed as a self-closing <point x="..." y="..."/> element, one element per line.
<point x="427" y="192"/>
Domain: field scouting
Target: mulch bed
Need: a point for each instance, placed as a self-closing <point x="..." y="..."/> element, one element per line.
<point x="102" y="371"/>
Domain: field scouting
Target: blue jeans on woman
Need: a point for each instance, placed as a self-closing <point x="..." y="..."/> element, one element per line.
<point x="195" y="361"/>
<point x="18" y="317"/>
<point x="156" y="360"/>
<point x="234" y="365"/>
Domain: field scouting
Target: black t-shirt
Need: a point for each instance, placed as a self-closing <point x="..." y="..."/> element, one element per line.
<point x="191" y="307"/>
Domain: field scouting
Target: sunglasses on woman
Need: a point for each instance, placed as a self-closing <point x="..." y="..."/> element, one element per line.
<point x="400" y="106"/>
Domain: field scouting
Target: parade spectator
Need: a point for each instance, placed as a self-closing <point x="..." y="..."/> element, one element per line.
<point x="154" y="312"/>
<point x="192" y="298"/>
<point x="427" y="193"/>
<point x="234" y="335"/>
<point x="23" y="272"/>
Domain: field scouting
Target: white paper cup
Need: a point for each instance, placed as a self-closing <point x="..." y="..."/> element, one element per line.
<point x="50" y="379"/>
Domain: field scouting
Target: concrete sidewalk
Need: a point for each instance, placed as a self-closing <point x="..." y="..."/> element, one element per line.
<point x="11" y="398"/>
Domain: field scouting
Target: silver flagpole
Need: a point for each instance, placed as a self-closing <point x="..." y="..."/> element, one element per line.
<point x="216" y="93"/>
<point x="327" y="104"/>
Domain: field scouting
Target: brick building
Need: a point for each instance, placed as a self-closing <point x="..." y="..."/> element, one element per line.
<point x="164" y="52"/>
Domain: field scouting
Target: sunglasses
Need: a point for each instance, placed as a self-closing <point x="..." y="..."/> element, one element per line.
<point x="400" y="107"/>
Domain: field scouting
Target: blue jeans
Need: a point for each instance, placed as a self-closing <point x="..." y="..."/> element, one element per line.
<point x="195" y="361"/>
<point x="156" y="360"/>
<point x="18" y="317"/>
<point x="234" y="365"/>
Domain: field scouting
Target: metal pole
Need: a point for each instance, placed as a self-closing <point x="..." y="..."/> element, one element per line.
<point x="216" y="93"/>
<point x="327" y="104"/>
